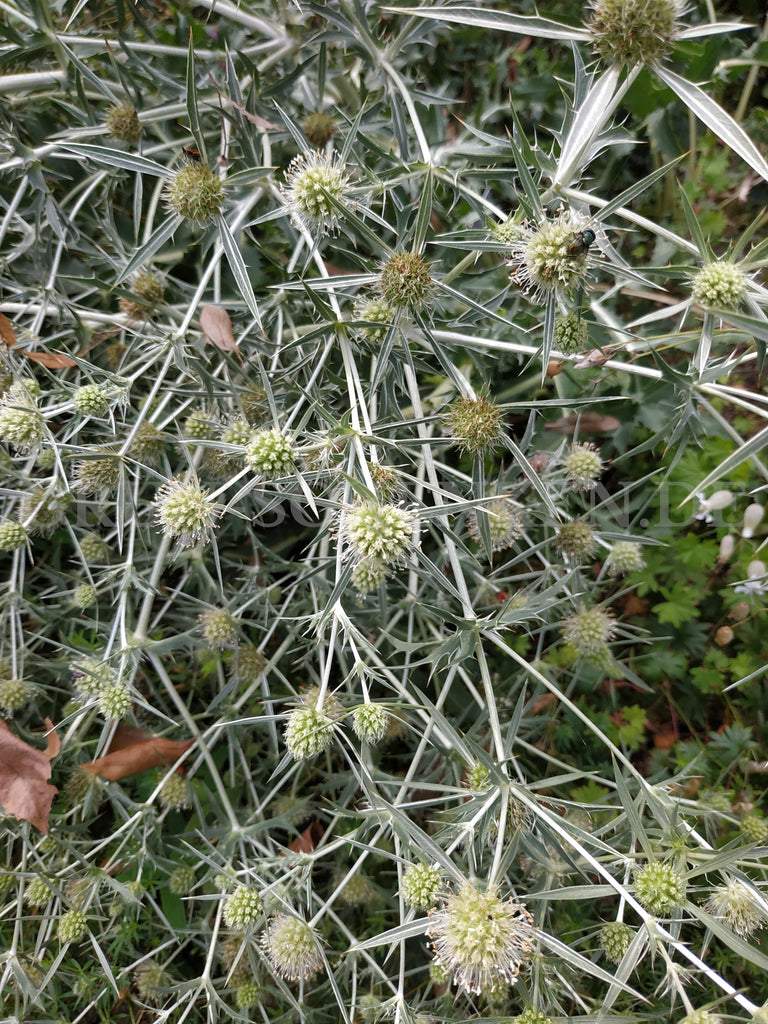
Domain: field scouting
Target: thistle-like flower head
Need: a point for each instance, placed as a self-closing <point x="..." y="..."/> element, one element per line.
<point x="480" y="938"/>
<point x="313" y="182"/>
<point x="550" y="256"/>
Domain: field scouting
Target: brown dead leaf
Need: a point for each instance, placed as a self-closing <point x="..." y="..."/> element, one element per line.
<point x="542" y="703"/>
<point x="635" y="605"/>
<point x="309" y="838"/>
<point x="24" y="772"/>
<point x="587" y="423"/>
<point x="132" y="751"/>
<point x="665" y="740"/>
<point x="7" y="333"/>
<point x="254" y="118"/>
<point x="51" y="360"/>
<point x="217" y="327"/>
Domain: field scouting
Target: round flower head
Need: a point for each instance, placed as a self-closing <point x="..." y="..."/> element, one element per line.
<point x="589" y="630"/>
<point x="660" y="887"/>
<point x="38" y="892"/>
<point x="505" y="523"/>
<point x="184" y="511"/>
<point x="12" y="536"/>
<point x="308" y="732"/>
<point x="176" y="792"/>
<point x="14" y="694"/>
<point x="551" y="256"/>
<point x="91" y="676"/>
<point x="583" y="466"/>
<point x="370" y="722"/>
<point x="122" y="122"/>
<point x="247" y="994"/>
<point x="84" y="596"/>
<point x="219" y="628"/>
<point x="531" y="1016"/>
<point x="504" y="231"/>
<point x="195" y="192"/>
<point x="72" y="926"/>
<point x="480" y="938"/>
<point x="386" y="482"/>
<point x="151" y="980"/>
<point x="406" y="281"/>
<point x="576" y="540"/>
<point x="292" y="947"/>
<point x="376" y="532"/>
<point x="237" y="432"/>
<point x="319" y="128"/>
<point x="182" y="880"/>
<point x="421" y="886"/>
<point x="271" y="454"/>
<point x="615" y="938"/>
<point x="720" y="285"/>
<point x="735" y="904"/>
<point x="571" y="333"/>
<point x="314" y="182"/>
<point x="633" y="31"/>
<point x="250" y="663"/>
<point x="701" y="1017"/>
<point x="43" y="512"/>
<point x="477" y="777"/>
<point x="626" y="556"/>
<point x="379" y="316"/>
<point x="754" y="828"/>
<point x="242" y="908"/>
<point x="149" y="291"/>
<point x="98" y="476"/>
<point x="357" y="889"/>
<point x="148" y="445"/>
<point x="91" y="400"/>
<point x="198" y="426"/>
<point x="114" y="701"/>
<point x="476" y="424"/>
<point x="94" y="549"/>
<point x="21" y="422"/>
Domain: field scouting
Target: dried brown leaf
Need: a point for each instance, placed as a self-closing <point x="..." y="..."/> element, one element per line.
<point x="51" y="360"/>
<point x="24" y="772"/>
<point x="309" y="838"/>
<point x="7" y="333"/>
<point x="254" y="118"/>
<point x="132" y="751"/>
<point x="217" y="327"/>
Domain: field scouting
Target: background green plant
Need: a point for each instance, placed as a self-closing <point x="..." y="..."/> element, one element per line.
<point x="593" y="769"/>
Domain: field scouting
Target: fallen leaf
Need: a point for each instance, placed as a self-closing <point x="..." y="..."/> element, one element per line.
<point x="132" y="751"/>
<point x="217" y="327"/>
<point x="24" y="772"/>
<point x="51" y="360"/>
<point x="7" y="333"/>
<point x="309" y="838"/>
<point x="665" y="740"/>
<point x="635" y="605"/>
<point x="586" y="422"/>
<point x="254" y="118"/>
